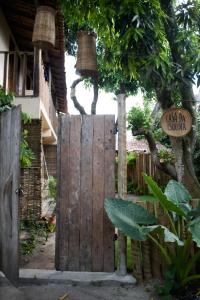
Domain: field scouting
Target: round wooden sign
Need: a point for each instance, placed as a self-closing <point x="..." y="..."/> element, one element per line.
<point x="176" y="122"/>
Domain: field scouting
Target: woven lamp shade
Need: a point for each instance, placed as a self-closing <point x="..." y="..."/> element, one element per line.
<point x="86" y="64"/>
<point x="44" y="32"/>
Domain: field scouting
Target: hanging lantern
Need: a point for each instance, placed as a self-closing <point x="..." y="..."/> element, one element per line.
<point x="44" y="32"/>
<point x="86" y="64"/>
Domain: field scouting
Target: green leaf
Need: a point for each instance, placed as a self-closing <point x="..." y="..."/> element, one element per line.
<point x="176" y="192"/>
<point x="166" y="203"/>
<point x="194" y="228"/>
<point x="169" y="237"/>
<point x="127" y="216"/>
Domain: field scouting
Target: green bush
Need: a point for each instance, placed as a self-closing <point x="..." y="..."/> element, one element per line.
<point x="5" y="100"/>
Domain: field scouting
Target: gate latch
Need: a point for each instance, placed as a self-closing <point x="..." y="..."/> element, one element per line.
<point x="19" y="192"/>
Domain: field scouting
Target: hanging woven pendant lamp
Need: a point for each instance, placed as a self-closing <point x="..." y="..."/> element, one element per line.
<point x="86" y="64"/>
<point x="44" y="32"/>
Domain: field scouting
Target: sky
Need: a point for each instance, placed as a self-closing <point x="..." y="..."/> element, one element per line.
<point x="106" y="103"/>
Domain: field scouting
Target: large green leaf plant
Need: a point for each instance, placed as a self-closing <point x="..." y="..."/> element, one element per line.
<point x="184" y="228"/>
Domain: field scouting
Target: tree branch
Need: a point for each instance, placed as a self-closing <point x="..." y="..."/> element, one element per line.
<point x="77" y="105"/>
<point x="95" y="98"/>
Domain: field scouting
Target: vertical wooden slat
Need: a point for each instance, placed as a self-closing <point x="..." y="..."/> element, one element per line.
<point x="98" y="194"/>
<point x="109" y="183"/>
<point x="10" y="123"/>
<point x="15" y="152"/>
<point x="62" y="203"/>
<point x="5" y="71"/>
<point x="137" y="260"/>
<point x="74" y="192"/>
<point x="122" y="175"/>
<point x="24" y="71"/>
<point x="36" y="72"/>
<point x="15" y="73"/>
<point x="86" y="194"/>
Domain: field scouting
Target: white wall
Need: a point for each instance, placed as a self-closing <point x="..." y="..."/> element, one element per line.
<point x="4" y="43"/>
<point x="30" y="105"/>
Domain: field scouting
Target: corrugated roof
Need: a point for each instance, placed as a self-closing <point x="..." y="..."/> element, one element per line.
<point x="141" y="145"/>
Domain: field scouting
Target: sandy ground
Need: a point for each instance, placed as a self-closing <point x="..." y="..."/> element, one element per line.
<point x="43" y="258"/>
<point x="55" y="291"/>
<point x="69" y="292"/>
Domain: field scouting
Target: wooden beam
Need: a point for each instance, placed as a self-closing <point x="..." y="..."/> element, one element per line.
<point x="122" y="176"/>
<point x="36" y="72"/>
<point x="24" y="71"/>
<point x="14" y="72"/>
<point x="5" y="71"/>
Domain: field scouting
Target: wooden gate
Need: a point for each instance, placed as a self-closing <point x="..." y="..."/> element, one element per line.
<point x="10" y="129"/>
<point x="86" y="155"/>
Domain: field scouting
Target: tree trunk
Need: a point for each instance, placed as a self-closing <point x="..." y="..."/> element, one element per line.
<point x="189" y="179"/>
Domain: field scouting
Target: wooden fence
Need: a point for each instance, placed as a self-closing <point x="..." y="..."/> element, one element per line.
<point x="86" y="161"/>
<point x="147" y="260"/>
<point x="144" y="164"/>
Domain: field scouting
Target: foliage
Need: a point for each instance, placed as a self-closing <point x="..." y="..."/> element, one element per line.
<point x="138" y="119"/>
<point x="166" y="155"/>
<point x="131" y="158"/>
<point x="158" y="50"/>
<point x="36" y="232"/>
<point x="52" y="187"/>
<point x="143" y="49"/>
<point x="26" y="154"/>
<point x="5" y="100"/>
<point x="26" y="118"/>
<point x="136" y="222"/>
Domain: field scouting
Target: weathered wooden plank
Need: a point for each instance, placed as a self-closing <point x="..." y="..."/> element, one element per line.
<point x="122" y="174"/>
<point x="86" y="194"/>
<point x="10" y="128"/>
<point x="5" y="71"/>
<point x="62" y="203"/>
<point x="5" y="186"/>
<point x="109" y="189"/>
<point x="98" y="193"/>
<point x="36" y="72"/>
<point x="24" y="72"/>
<point x="74" y="193"/>
<point x="15" y="166"/>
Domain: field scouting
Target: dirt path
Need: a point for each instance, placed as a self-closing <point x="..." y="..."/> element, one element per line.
<point x="43" y="256"/>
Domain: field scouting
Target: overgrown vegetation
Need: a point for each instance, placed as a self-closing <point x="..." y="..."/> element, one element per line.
<point x="34" y="232"/>
<point x="5" y="100"/>
<point x="26" y="154"/>
<point x="183" y="229"/>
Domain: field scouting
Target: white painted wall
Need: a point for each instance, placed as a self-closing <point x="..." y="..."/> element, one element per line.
<point x="30" y="105"/>
<point x="4" y="43"/>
